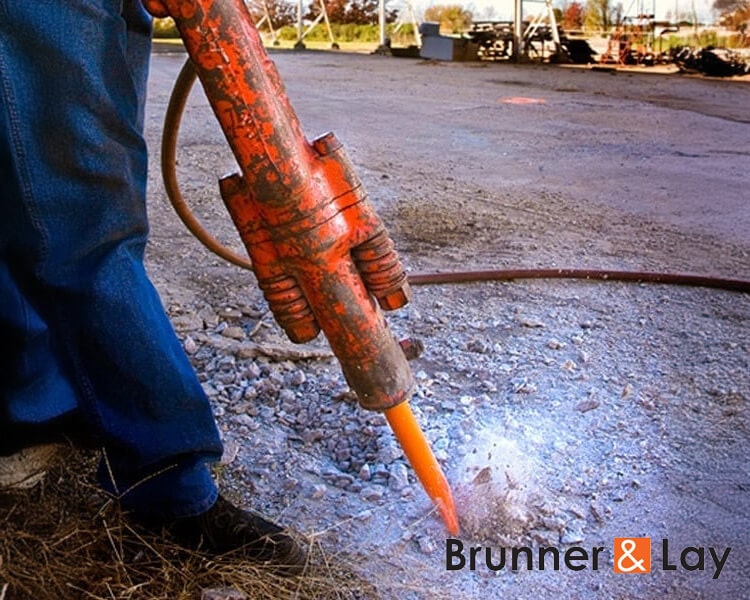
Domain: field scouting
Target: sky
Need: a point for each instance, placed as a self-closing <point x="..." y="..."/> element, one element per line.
<point x="503" y="9"/>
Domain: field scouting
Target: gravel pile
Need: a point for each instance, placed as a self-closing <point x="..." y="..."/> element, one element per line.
<point x="555" y="409"/>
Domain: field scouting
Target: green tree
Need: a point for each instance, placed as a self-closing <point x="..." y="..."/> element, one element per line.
<point x="453" y="18"/>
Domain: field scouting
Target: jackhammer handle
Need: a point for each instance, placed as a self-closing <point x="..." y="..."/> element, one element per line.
<point x="318" y="249"/>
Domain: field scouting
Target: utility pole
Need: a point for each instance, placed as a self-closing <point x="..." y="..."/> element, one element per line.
<point x="383" y="47"/>
<point x="300" y="45"/>
<point x="518" y="30"/>
<point x="381" y="21"/>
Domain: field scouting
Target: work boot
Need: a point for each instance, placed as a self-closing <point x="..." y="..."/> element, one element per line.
<point x="225" y="528"/>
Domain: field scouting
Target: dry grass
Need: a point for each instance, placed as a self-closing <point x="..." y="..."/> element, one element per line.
<point x="64" y="539"/>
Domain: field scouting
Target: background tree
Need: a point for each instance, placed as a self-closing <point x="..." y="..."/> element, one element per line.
<point x="282" y="12"/>
<point x="453" y="18"/>
<point x="602" y="14"/>
<point x="572" y="16"/>
<point x="357" y="12"/>
<point x="361" y="12"/>
<point x="728" y="6"/>
<point x="734" y="14"/>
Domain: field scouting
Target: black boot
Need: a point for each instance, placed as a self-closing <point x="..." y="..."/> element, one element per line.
<point x="225" y="528"/>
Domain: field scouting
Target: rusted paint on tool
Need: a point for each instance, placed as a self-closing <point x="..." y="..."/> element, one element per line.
<point x="319" y="251"/>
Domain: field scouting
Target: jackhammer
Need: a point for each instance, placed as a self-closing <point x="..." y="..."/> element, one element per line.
<point x="321" y="255"/>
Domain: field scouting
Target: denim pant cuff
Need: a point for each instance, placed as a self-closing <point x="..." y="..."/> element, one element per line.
<point x="178" y="490"/>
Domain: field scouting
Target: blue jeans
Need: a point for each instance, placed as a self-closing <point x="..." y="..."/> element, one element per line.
<point x="81" y="326"/>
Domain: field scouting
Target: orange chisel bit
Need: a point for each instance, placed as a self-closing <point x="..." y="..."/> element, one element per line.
<point x="412" y="440"/>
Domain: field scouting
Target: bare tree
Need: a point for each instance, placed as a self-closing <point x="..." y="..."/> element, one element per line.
<point x="281" y="12"/>
<point x="358" y="12"/>
<point x="453" y="18"/>
<point x="602" y="14"/>
<point x="734" y="14"/>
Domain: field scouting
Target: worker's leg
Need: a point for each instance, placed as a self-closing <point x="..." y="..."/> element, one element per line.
<point x="73" y="220"/>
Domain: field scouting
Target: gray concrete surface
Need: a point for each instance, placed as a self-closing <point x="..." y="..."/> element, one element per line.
<point x="622" y="410"/>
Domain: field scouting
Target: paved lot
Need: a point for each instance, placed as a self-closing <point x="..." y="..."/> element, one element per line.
<point x="623" y="408"/>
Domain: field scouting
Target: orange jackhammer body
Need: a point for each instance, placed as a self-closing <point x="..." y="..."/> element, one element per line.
<point x="319" y="251"/>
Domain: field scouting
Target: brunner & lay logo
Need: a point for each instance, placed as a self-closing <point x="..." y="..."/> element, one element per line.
<point x="631" y="555"/>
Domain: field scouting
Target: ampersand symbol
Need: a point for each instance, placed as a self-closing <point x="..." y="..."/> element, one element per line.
<point x="627" y="547"/>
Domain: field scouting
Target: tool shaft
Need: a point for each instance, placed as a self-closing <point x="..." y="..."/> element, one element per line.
<point x="417" y="450"/>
